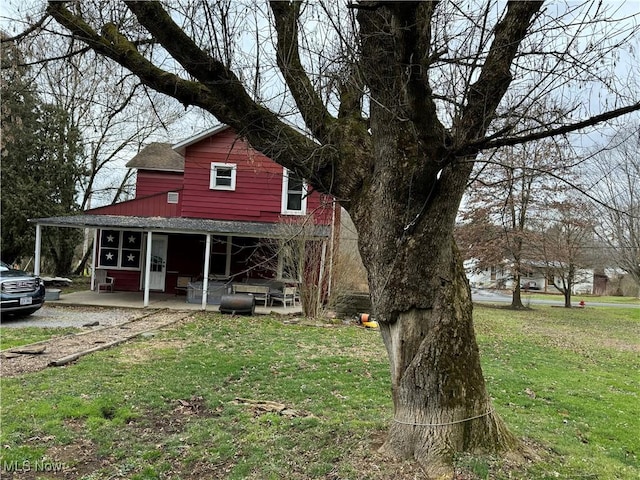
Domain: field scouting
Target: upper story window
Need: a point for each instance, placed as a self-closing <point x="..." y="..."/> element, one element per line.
<point x="223" y="176"/>
<point x="294" y="194"/>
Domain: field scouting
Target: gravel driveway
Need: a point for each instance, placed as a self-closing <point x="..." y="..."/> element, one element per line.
<point x="69" y="316"/>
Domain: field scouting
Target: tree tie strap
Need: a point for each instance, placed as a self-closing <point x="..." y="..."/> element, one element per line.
<point x="443" y="424"/>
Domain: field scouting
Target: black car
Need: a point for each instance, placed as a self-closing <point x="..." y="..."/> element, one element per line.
<point x="20" y="293"/>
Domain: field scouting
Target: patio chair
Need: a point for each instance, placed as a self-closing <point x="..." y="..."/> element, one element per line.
<point x="288" y="294"/>
<point x="182" y="284"/>
<point x="103" y="281"/>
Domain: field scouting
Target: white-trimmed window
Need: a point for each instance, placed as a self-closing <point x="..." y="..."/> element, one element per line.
<point x="223" y="176"/>
<point x="294" y="194"/>
<point x="120" y="249"/>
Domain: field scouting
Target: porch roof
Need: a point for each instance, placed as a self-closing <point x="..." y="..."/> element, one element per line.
<point x="178" y="225"/>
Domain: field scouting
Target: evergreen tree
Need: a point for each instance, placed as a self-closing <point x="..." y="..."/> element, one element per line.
<point x="39" y="169"/>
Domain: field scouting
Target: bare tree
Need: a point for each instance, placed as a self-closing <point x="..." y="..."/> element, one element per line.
<point x="416" y="91"/>
<point x="564" y="242"/>
<point x="298" y="257"/>
<point x="510" y="187"/>
<point x="115" y="113"/>
<point x="616" y="179"/>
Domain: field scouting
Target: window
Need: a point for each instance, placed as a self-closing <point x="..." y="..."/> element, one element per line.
<point x="290" y="260"/>
<point x="220" y="264"/>
<point x="120" y="249"/>
<point x="294" y="194"/>
<point x="223" y="176"/>
<point x="173" y="197"/>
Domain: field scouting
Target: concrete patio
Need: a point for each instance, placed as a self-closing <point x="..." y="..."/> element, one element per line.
<point x="156" y="301"/>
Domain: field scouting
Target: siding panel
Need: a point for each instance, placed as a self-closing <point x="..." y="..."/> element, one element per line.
<point x="258" y="192"/>
<point x="150" y="183"/>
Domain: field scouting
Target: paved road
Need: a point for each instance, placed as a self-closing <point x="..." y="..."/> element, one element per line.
<point x="490" y="296"/>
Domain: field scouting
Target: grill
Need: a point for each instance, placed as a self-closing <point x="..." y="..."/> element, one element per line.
<point x="20" y="286"/>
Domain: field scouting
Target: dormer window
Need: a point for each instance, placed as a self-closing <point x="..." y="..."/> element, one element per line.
<point x="294" y="194"/>
<point x="223" y="176"/>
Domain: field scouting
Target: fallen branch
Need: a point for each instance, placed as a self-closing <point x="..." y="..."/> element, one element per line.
<point x="29" y="349"/>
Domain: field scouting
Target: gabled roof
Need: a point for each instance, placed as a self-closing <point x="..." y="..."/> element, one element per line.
<point x="181" y="147"/>
<point x="158" y="156"/>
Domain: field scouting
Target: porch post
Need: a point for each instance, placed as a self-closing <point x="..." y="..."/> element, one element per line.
<point x="323" y="257"/>
<point x="332" y="248"/>
<point x="36" y="264"/>
<point x="227" y="265"/>
<point x="205" y="275"/>
<point x="94" y="260"/>
<point x="147" y="268"/>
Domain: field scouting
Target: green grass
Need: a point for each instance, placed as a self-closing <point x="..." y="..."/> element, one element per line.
<point x="569" y="380"/>
<point x="566" y="381"/>
<point x="14" y="337"/>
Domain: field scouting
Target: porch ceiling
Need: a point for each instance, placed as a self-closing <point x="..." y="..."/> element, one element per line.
<point x="177" y="225"/>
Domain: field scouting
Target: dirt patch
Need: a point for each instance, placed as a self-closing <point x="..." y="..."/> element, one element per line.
<point x="62" y="350"/>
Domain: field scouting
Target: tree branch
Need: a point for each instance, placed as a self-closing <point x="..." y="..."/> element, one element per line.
<point x="217" y="85"/>
<point x="487" y="143"/>
<point x="36" y="26"/>
<point x="484" y="96"/>
<point x="315" y="115"/>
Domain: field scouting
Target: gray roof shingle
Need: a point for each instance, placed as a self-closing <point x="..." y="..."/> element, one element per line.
<point x="180" y="225"/>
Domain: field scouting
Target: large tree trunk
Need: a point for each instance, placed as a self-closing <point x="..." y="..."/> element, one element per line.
<point x="422" y="301"/>
<point x="441" y="406"/>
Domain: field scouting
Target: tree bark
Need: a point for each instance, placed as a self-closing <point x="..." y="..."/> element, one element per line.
<point x="400" y="173"/>
<point x="422" y="301"/>
<point x="516" y="299"/>
<point x="441" y="406"/>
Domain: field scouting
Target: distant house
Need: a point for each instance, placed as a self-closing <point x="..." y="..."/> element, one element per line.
<point x="204" y="210"/>
<point x="586" y="281"/>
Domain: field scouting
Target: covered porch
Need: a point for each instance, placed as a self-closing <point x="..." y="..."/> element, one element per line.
<point x="152" y="259"/>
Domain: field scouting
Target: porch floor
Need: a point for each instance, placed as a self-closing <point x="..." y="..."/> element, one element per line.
<point x="156" y="300"/>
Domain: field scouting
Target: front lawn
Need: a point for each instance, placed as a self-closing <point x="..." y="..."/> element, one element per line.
<point x="206" y="401"/>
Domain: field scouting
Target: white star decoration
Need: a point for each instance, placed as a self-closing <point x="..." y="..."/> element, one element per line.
<point x="131" y="257"/>
<point x="109" y="256"/>
<point x="132" y="239"/>
<point x="110" y="238"/>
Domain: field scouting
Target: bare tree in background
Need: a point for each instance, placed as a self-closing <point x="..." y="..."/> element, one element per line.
<point x="564" y="242"/>
<point x="413" y="93"/>
<point x="511" y="186"/>
<point x="116" y="114"/>
<point x="616" y="186"/>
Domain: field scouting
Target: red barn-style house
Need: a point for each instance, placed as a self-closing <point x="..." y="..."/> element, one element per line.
<point x="208" y="204"/>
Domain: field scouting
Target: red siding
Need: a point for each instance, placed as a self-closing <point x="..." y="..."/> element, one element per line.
<point x="258" y="192"/>
<point x="153" y="206"/>
<point x="149" y="182"/>
<point x="257" y="196"/>
<point x="125" y="280"/>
